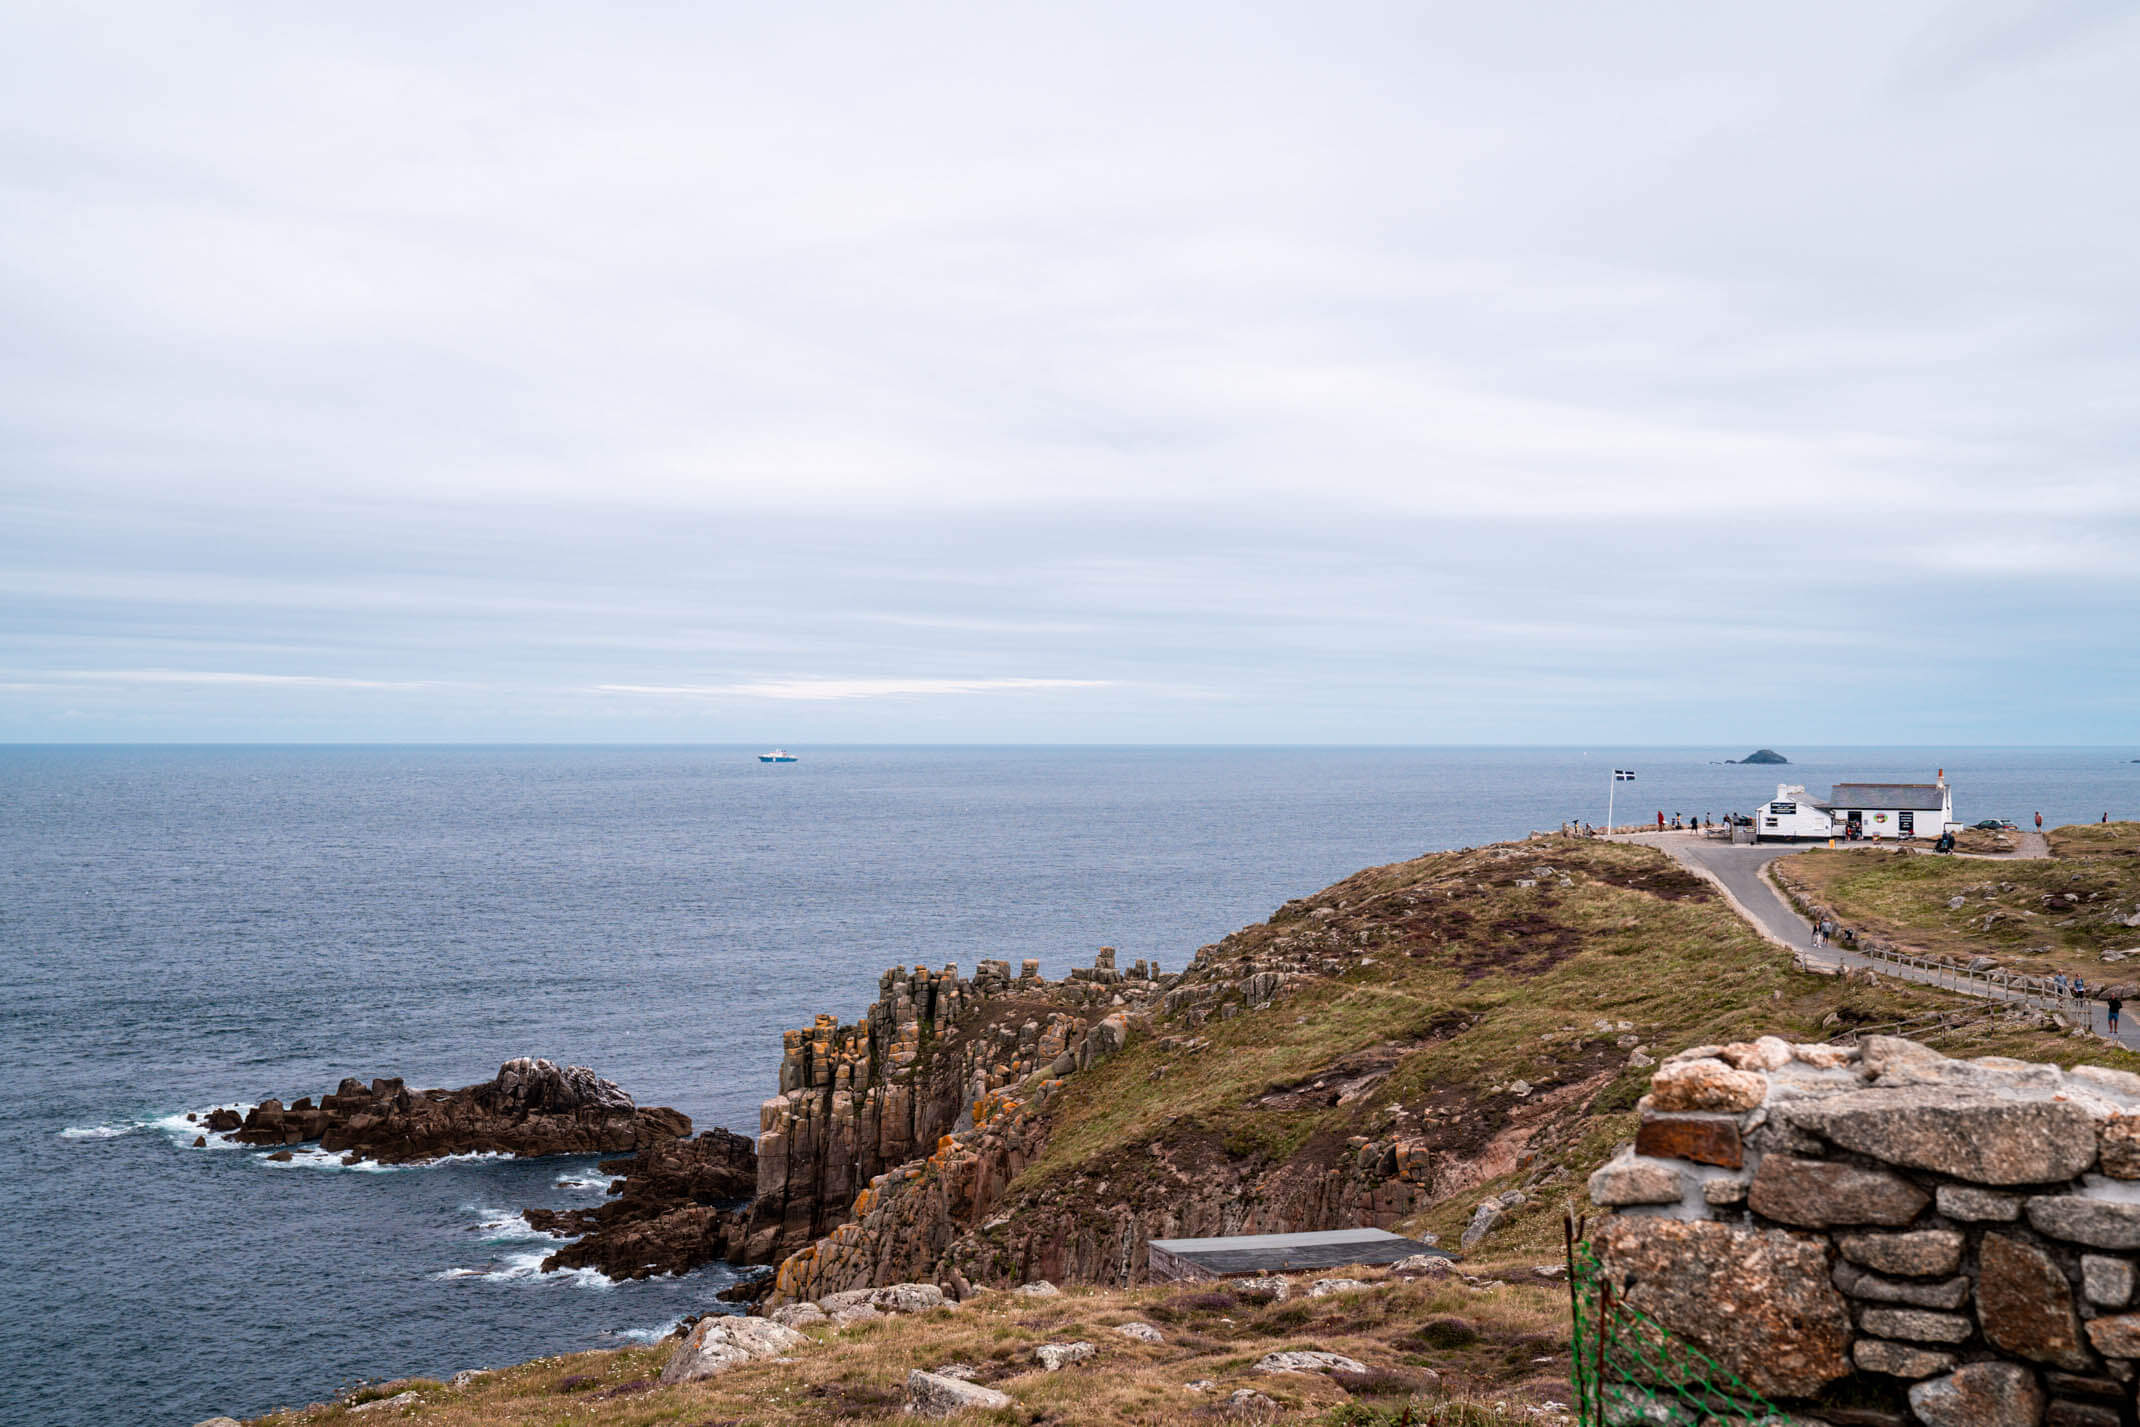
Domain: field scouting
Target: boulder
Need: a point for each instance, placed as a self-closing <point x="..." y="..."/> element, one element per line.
<point x="1966" y="1134"/>
<point x="1627" y="1180"/>
<point x="1767" y="1053"/>
<point x="1815" y="1194"/>
<point x="1324" y="1287"/>
<point x="798" y="1315"/>
<point x="1247" y="1402"/>
<point x="1408" y="1265"/>
<point x="1141" y="1332"/>
<point x="1980" y="1395"/>
<point x="721" y="1342"/>
<point x="2098" y="1223"/>
<point x="2026" y="1305"/>
<point x="1759" y="1302"/>
<point x="1057" y="1356"/>
<point x="1706" y="1085"/>
<point x="399" y="1399"/>
<point x="1482" y="1222"/>
<point x="892" y="1298"/>
<point x="1277" y="1290"/>
<point x="1039" y="1288"/>
<point x="1308" y="1362"/>
<point x="934" y="1395"/>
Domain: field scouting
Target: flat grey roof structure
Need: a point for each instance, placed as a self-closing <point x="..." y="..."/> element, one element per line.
<point x="1921" y="797"/>
<point x="1280" y="1253"/>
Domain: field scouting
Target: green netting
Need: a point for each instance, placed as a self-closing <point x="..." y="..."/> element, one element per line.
<point x="1629" y="1372"/>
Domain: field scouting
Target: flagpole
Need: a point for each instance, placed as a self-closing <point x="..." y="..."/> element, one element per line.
<point x="1614" y="787"/>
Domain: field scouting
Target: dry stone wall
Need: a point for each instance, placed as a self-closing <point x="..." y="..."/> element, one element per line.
<point x="1879" y="1235"/>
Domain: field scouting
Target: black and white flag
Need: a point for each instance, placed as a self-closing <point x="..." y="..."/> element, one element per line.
<point x="1623" y="775"/>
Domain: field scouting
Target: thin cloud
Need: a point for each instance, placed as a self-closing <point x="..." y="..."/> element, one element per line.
<point x="825" y="690"/>
<point x="204" y="676"/>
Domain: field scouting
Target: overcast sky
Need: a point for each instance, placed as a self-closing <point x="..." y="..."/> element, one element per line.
<point x="1144" y="372"/>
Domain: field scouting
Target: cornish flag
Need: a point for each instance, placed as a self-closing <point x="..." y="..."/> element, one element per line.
<point x="1623" y="775"/>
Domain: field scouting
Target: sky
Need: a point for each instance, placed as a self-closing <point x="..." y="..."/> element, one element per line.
<point x="1155" y="372"/>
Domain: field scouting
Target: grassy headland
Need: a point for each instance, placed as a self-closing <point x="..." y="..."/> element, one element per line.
<point x="1491" y="1013"/>
<point x="2037" y="916"/>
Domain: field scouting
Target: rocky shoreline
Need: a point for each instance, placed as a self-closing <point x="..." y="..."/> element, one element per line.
<point x="680" y="1203"/>
<point x="531" y="1107"/>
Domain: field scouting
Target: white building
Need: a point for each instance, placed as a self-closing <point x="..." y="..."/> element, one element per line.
<point x="1872" y="811"/>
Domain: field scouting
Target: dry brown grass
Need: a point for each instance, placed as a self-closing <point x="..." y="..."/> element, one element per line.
<point x="2120" y="839"/>
<point x="1498" y="1341"/>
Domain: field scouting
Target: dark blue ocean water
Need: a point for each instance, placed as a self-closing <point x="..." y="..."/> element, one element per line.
<point x="185" y="927"/>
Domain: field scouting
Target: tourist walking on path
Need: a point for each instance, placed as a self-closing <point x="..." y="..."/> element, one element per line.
<point x="2115" y="1004"/>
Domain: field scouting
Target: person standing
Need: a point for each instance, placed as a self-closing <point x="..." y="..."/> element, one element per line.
<point x="2039" y="822"/>
<point x="1660" y="820"/>
<point x="2111" y="1007"/>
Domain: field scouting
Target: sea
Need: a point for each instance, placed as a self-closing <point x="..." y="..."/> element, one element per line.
<point x="188" y="927"/>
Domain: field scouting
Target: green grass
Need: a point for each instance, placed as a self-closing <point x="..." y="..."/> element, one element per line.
<point x="1475" y="983"/>
<point x="2036" y="916"/>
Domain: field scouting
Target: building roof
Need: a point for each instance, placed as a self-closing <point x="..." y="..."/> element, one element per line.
<point x="1279" y="1253"/>
<point x="1924" y="797"/>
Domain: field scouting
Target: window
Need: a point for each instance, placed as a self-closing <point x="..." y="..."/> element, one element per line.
<point x="1783" y="810"/>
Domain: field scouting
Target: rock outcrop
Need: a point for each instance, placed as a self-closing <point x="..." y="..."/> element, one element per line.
<point x="1929" y="1240"/>
<point x="531" y="1107"/>
<point x="681" y="1204"/>
<point x="857" y="1101"/>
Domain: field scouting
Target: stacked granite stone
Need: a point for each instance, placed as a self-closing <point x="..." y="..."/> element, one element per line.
<point x="1879" y="1235"/>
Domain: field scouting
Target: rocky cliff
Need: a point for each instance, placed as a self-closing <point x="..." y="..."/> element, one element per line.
<point x="531" y="1107"/>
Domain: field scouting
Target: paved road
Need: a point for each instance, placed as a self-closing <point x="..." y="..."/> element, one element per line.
<point x="1738" y="867"/>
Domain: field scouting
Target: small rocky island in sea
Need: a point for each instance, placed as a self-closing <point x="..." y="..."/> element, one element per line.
<point x="1760" y="755"/>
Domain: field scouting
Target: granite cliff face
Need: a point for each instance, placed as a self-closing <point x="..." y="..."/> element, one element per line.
<point x="531" y="1107"/>
<point x="959" y="1213"/>
<point x="859" y="1101"/>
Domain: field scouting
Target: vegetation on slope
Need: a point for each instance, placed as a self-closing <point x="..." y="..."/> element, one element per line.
<point x="1440" y="1342"/>
<point x="2036" y="916"/>
<point x="1493" y="1007"/>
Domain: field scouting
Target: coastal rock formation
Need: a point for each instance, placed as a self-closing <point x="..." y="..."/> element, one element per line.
<point x="531" y="1107"/>
<point x="1912" y="1235"/>
<point x="680" y="1204"/>
<point x="859" y="1100"/>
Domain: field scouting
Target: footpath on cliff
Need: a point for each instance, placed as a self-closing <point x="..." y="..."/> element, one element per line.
<point x="2065" y="903"/>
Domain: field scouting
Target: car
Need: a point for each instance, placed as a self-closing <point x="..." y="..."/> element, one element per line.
<point x="1992" y="824"/>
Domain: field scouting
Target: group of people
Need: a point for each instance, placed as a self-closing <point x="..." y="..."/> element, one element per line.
<point x="2077" y="987"/>
<point x="1692" y="824"/>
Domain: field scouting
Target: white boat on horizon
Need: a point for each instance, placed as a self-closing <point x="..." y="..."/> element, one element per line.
<point x="778" y="755"/>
